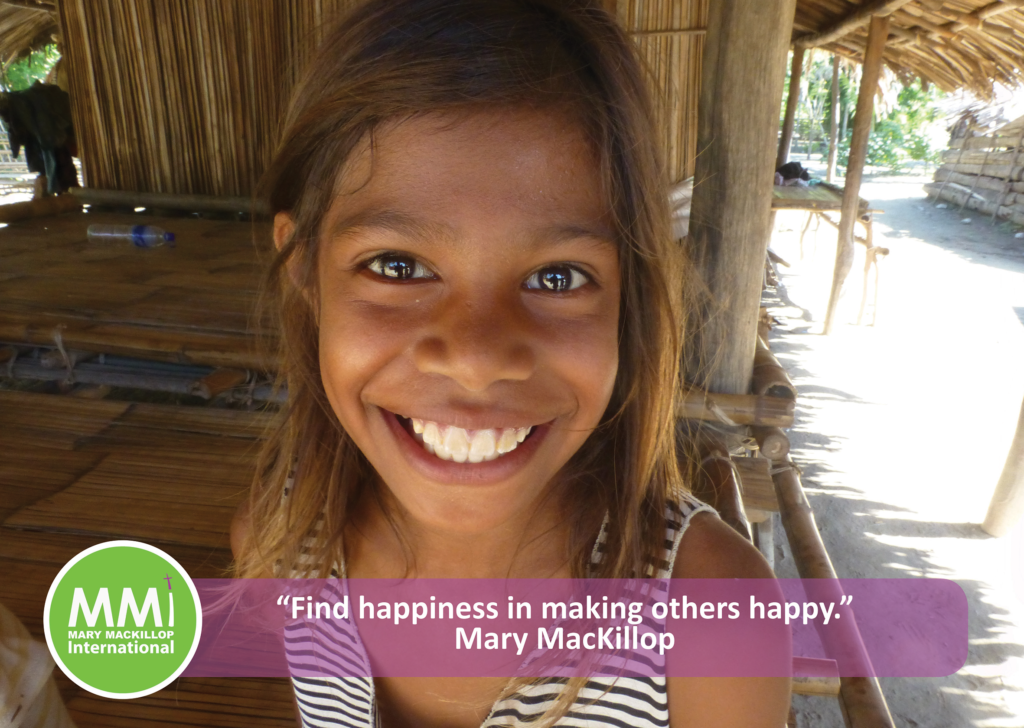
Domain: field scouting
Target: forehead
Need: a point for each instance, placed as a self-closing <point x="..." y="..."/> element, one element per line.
<point x="510" y="167"/>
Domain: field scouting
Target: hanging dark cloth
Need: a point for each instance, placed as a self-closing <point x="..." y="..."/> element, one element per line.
<point x="39" y="119"/>
<point x="793" y="170"/>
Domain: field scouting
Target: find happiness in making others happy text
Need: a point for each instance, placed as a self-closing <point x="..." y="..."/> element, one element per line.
<point x="595" y="610"/>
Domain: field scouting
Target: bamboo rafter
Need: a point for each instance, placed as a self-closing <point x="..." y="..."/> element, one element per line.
<point x="964" y="44"/>
<point x="851" y="22"/>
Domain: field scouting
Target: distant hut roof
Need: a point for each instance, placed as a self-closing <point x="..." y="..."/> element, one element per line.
<point x="954" y="44"/>
<point x="25" y="26"/>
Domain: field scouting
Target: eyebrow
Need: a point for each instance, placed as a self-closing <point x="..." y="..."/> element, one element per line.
<point x="391" y="221"/>
<point x="600" y="236"/>
<point x="410" y="226"/>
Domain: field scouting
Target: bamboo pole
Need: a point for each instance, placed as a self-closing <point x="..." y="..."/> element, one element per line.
<point x="191" y="203"/>
<point x="833" y="131"/>
<point x="1007" y="505"/>
<point x="814" y="676"/>
<point x="877" y="35"/>
<point x="859" y="17"/>
<point x="860" y="698"/>
<point x="769" y="378"/>
<point x="722" y="484"/>
<point x="976" y="18"/>
<point x="792" y="101"/>
<point x="771" y="441"/>
<point x="738" y="116"/>
<point x="669" y="32"/>
<point x="736" y="409"/>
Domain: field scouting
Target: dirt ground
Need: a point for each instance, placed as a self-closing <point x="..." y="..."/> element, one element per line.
<point x="903" y="428"/>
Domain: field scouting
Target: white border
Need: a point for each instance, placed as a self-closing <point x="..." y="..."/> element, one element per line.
<point x="145" y="547"/>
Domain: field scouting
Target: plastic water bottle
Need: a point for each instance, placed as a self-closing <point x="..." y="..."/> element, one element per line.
<point x="142" y="236"/>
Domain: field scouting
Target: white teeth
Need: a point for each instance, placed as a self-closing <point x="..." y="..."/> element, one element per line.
<point x="508" y="441"/>
<point x="483" y="446"/>
<point x="456" y="441"/>
<point x="474" y="446"/>
<point x="431" y="434"/>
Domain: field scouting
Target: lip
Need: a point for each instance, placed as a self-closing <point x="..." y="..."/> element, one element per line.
<point x="449" y="471"/>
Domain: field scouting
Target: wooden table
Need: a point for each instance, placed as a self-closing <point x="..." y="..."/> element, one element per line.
<point x="820" y="199"/>
<point x="191" y="304"/>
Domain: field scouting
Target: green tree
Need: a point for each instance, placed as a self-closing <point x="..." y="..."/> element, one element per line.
<point x="24" y="72"/>
<point x="911" y="130"/>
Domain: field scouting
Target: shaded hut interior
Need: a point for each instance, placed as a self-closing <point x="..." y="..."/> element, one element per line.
<point x="176" y="106"/>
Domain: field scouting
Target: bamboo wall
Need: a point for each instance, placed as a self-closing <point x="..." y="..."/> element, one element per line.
<point x="184" y="96"/>
<point x="674" y="60"/>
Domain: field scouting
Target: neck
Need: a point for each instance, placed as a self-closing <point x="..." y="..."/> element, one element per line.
<point x="532" y="544"/>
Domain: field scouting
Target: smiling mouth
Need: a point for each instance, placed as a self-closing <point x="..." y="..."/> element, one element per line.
<point x="448" y="442"/>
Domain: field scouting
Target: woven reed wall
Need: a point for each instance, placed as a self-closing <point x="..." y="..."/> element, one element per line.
<point x="184" y="96"/>
<point x="674" y="60"/>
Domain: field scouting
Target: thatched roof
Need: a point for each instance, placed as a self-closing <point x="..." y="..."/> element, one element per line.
<point x="25" y="26"/>
<point x="182" y="98"/>
<point x="952" y="43"/>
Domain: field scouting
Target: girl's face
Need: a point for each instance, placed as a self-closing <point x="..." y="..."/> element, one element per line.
<point x="469" y="303"/>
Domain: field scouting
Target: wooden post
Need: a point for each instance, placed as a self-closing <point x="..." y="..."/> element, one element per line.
<point x="737" y="119"/>
<point x="833" y="131"/>
<point x="860" y="698"/>
<point x="792" y="101"/>
<point x="877" y="35"/>
<point x="1007" y="504"/>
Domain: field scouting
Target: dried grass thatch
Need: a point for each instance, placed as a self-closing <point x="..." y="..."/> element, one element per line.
<point x="25" y="26"/>
<point x="184" y="97"/>
<point x="954" y="44"/>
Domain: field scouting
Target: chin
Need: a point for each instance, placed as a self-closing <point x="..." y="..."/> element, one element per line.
<point x="464" y="514"/>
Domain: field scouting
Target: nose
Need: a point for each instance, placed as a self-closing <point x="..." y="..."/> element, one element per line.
<point x="477" y="342"/>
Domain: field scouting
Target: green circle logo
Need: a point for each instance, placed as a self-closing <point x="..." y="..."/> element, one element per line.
<point x="122" y="619"/>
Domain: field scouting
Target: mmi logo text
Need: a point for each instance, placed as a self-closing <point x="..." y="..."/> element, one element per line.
<point x="115" y="640"/>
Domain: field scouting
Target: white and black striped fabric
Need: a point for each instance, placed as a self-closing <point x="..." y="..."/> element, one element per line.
<point x="622" y="701"/>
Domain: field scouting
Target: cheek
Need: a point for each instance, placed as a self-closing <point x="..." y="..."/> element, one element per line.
<point x="586" y="353"/>
<point x="357" y="342"/>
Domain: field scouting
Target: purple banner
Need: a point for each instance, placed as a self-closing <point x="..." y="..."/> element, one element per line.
<point x="563" y="628"/>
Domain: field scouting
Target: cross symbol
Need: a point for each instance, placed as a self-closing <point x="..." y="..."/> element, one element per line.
<point x="168" y="582"/>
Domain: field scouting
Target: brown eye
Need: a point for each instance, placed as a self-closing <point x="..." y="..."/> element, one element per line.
<point x="398" y="267"/>
<point x="557" y="279"/>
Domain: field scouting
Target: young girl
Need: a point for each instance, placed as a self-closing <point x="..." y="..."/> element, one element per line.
<point x="481" y="327"/>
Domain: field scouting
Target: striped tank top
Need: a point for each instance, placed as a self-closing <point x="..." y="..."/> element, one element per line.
<point x="623" y="701"/>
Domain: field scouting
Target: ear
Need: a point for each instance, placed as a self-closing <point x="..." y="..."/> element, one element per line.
<point x="284" y="228"/>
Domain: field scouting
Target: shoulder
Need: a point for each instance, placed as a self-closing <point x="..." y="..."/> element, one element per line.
<point x="710" y="549"/>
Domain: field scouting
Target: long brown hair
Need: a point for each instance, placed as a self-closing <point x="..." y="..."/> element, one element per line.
<point x="392" y="59"/>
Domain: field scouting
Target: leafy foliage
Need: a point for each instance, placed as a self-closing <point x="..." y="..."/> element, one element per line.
<point x="908" y="123"/>
<point x="912" y="130"/>
<point x="24" y="72"/>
